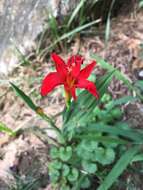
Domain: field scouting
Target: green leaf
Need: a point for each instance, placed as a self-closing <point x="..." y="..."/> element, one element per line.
<point x="75" y="12"/>
<point x="73" y="175"/>
<point x="66" y="170"/>
<point x="54" y="153"/>
<point x="55" y="165"/>
<point x="139" y="84"/>
<point x="26" y="98"/>
<point x="24" y="60"/>
<point x="65" y="153"/>
<point x="65" y="187"/>
<point x="53" y="26"/>
<point x="120" y="101"/>
<point x="117" y="74"/>
<point x="85" y="183"/>
<point x="108" y="23"/>
<point x="137" y="158"/>
<point x="141" y="4"/>
<point x="38" y="110"/>
<point x="106" y="98"/>
<point x="54" y="176"/>
<point x="5" y="129"/>
<point x="78" y="29"/>
<point x="128" y="133"/>
<point x="79" y="182"/>
<point x="102" y="139"/>
<point x="104" y="156"/>
<point x="81" y="111"/>
<point x="116" y="113"/>
<point x="89" y="167"/>
<point x="67" y="35"/>
<point x="118" y="168"/>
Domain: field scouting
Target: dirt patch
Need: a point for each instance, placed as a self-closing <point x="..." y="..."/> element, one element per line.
<point x="26" y="158"/>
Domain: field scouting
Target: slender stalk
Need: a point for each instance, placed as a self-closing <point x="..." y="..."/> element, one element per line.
<point x="53" y="126"/>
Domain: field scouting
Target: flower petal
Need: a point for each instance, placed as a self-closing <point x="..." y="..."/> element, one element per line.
<point x="50" y="82"/>
<point x="89" y="86"/>
<point x="74" y="63"/>
<point x="84" y="73"/>
<point x="60" y="65"/>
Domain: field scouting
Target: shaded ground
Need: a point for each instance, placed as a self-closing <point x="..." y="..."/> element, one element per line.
<point x="123" y="52"/>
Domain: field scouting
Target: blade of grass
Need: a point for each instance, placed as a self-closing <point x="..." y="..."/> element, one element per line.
<point x="75" y="12"/>
<point x="35" y="108"/>
<point x="41" y="39"/>
<point x="104" y="139"/>
<point x="26" y="98"/>
<point x="118" y="168"/>
<point x="120" y="101"/>
<point x="22" y="58"/>
<point x="117" y="74"/>
<point x="108" y="23"/>
<point x="93" y="3"/>
<point x="138" y="157"/>
<point x="4" y="128"/>
<point x="131" y="134"/>
<point x="67" y="35"/>
<point x="82" y="102"/>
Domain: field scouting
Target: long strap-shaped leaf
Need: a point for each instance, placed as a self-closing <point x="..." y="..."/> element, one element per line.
<point x="22" y="95"/>
<point x="86" y="103"/>
<point x="35" y="108"/>
<point x="117" y="74"/>
<point x="127" y="133"/>
<point x="118" y="168"/>
<point x="75" y="12"/>
<point x="5" y="129"/>
<point x="67" y="35"/>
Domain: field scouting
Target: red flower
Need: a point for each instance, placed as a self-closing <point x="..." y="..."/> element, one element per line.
<point x="70" y="75"/>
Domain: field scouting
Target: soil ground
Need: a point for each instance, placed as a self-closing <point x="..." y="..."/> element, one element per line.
<point x="123" y="52"/>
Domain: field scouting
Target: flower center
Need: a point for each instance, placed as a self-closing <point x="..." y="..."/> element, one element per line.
<point x="70" y="81"/>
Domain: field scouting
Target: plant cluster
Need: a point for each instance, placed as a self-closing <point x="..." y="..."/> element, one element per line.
<point x="94" y="145"/>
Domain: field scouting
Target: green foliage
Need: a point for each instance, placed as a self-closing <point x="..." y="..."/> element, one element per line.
<point x="5" y="129"/>
<point x="24" y="61"/>
<point x="89" y="167"/>
<point x="86" y="103"/>
<point x="108" y="23"/>
<point x="67" y="35"/>
<point x="25" y="98"/>
<point x="62" y="30"/>
<point x="118" y="168"/>
<point x="27" y="183"/>
<point x="85" y="183"/>
<point x="65" y="153"/>
<point x="93" y="141"/>
<point x="117" y="74"/>
<point x="140" y="3"/>
<point x="39" y="111"/>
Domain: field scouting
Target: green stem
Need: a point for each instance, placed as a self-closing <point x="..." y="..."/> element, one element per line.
<point x="52" y="124"/>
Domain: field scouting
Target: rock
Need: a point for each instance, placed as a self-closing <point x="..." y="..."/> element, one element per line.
<point x="21" y="21"/>
<point x="134" y="115"/>
<point x="20" y="24"/>
<point x="141" y="74"/>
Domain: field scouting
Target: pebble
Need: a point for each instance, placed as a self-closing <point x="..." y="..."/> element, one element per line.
<point x="141" y="74"/>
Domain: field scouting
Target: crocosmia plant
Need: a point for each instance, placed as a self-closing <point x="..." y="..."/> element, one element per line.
<point x="71" y="76"/>
<point x="93" y="134"/>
